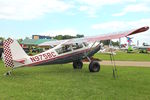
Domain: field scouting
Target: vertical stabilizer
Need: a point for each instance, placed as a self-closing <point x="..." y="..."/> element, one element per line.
<point x="12" y="51"/>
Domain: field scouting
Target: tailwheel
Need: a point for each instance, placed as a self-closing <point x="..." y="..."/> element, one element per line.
<point x="77" y="64"/>
<point x="94" y="66"/>
<point x="7" y="73"/>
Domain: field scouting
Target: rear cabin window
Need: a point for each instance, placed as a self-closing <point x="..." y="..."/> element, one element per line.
<point x="64" y="49"/>
<point x="77" y="46"/>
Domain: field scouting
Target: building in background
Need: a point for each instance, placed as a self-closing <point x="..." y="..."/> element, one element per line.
<point x="33" y="44"/>
<point x="40" y="37"/>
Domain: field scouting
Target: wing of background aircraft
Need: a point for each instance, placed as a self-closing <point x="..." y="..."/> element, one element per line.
<point x="110" y="36"/>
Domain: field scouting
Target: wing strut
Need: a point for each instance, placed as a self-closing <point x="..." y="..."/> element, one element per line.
<point x="112" y="58"/>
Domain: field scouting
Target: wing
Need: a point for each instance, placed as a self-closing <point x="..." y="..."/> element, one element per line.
<point x="52" y="43"/>
<point x="114" y="35"/>
<point x="110" y="36"/>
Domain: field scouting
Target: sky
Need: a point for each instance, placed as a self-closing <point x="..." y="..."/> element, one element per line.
<point x="23" y="18"/>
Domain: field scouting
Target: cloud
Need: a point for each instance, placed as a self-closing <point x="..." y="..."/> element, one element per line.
<point x="91" y="11"/>
<point x="30" y="9"/>
<point x="121" y="25"/>
<point x="91" y="7"/>
<point x="98" y="3"/>
<point x="134" y="9"/>
<point x="71" y="32"/>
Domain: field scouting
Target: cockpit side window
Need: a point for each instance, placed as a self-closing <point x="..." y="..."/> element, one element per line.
<point x="64" y="49"/>
<point x="77" y="46"/>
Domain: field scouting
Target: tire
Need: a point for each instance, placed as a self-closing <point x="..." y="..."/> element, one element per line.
<point x="94" y="66"/>
<point x="77" y="64"/>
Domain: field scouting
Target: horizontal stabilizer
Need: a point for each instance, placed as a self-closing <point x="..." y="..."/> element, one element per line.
<point x="20" y="60"/>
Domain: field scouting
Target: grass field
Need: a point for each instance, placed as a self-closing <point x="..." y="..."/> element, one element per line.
<point x="123" y="56"/>
<point x="56" y="82"/>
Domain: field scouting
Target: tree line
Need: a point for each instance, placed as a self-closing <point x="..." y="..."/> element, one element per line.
<point x="58" y="37"/>
<point x="63" y="37"/>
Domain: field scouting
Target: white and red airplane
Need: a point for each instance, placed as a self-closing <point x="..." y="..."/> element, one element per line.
<point x="65" y="51"/>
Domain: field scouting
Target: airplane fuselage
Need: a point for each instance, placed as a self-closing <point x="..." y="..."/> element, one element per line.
<point x="57" y="55"/>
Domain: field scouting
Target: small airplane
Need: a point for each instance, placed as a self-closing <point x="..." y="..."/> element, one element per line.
<point x="64" y="51"/>
<point x="142" y="49"/>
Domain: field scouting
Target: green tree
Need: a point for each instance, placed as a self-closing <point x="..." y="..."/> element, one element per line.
<point x="63" y="37"/>
<point x="2" y="39"/>
<point x="115" y="43"/>
<point x="79" y="35"/>
<point x="105" y="42"/>
<point x="27" y="38"/>
<point x="68" y="37"/>
<point x="58" y="37"/>
<point x="20" y="40"/>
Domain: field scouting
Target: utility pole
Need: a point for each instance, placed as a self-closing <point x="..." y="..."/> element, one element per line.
<point x="119" y="42"/>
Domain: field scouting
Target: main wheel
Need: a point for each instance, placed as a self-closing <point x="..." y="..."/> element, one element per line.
<point x="77" y="64"/>
<point x="94" y="66"/>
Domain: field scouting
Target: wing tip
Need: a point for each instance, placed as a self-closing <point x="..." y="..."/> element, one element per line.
<point x="139" y="30"/>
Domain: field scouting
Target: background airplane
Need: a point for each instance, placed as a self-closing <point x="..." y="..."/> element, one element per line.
<point x="142" y="49"/>
<point x="65" y="51"/>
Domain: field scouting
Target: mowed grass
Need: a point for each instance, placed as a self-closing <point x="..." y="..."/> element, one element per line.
<point x="62" y="82"/>
<point x="123" y="56"/>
